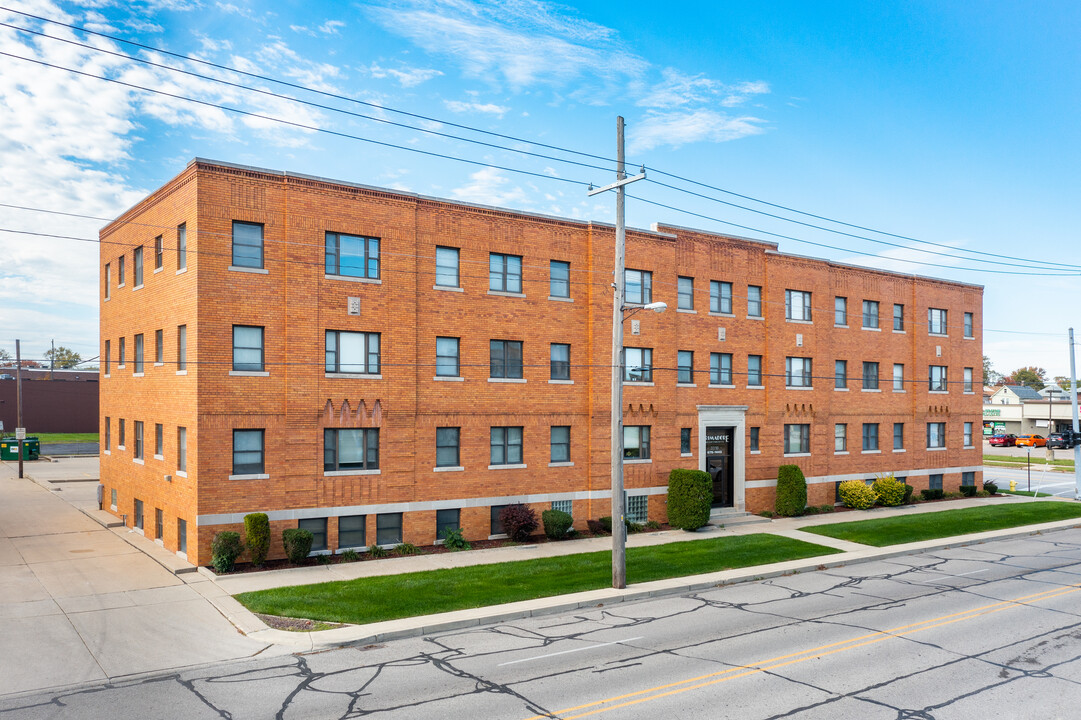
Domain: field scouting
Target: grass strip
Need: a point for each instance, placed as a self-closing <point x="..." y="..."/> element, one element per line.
<point x="1011" y="460"/>
<point x="389" y="597"/>
<point x="947" y="523"/>
<point x="65" y="437"/>
<point x="1025" y="493"/>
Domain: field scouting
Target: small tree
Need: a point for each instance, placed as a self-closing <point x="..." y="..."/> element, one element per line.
<point x="791" y="496"/>
<point x="298" y="543"/>
<point x="257" y="534"/>
<point x="690" y="494"/>
<point x="519" y="522"/>
<point x="225" y="548"/>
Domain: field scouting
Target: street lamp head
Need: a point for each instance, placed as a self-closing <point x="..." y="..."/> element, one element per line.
<point x="658" y="307"/>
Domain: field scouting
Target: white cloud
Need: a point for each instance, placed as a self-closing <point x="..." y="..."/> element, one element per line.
<point x="688" y="126"/>
<point x="475" y="107"/>
<point x="406" y="76"/>
<point x="489" y="186"/>
<point x="331" y="27"/>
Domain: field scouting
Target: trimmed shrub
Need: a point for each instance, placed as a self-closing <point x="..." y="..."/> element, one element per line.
<point x="791" y="495"/>
<point x="653" y="525"/>
<point x="969" y="490"/>
<point x="606" y="523"/>
<point x="350" y="555"/>
<point x="377" y="551"/>
<point x="298" y="543"/>
<point x="856" y="494"/>
<point x="453" y="539"/>
<point x="932" y="494"/>
<point x="690" y="494"/>
<point x="908" y="494"/>
<point x="257" y="534"/>
<point x="597" y="528"/>
<point x="406" y="549"/>
<point x="890" y="490"/>
<point x="225" y="548"/>
<point x="990" y="487"/>
<point x="633" y="527"/>
<point x="556" y="523"/>
<point x="519" y="521"/>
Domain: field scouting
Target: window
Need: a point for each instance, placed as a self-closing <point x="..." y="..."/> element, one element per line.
<point x="840" y="437"/>
<point x="159" y="524"/>
<point x="120" y="271"/>
<point x="108" y="279"/>
<point x="506" y="446"/>
<point x="566" y="506"/>
<point x="318" y="528"/>
<point x="506" y="359"/>
<point x="138" y="453"/>
<point x="561" y="443"/>
<point x="870" y="436"/>
<point x="352" y="532"/>
<point x="968" y="434"/>
<point x="797" y="439"/>
<point x="685" y="297"/>
<point x="968" y="478"/>
<point x="247" y="348"/>
<point x="870" y="376"/>
<point x="447" y="520"/>
<point x="684" y="441"/>
<point x="350" y="449"/>
<point x="685" y="367"/>
<point x="446" y="267"/>
<point x="870" y="313"/>
<point x="120" y="428"/>
<point x="182" y="535"/>
<point x="840" y="373"/>
<point x="138" y="513"/>
<point x="159" y="347"/>
<point x="840" y="311"/>
<point x="352" y="256"/>
<point x="754" y="370"/>
<point x="936" y="378"/>
<point x="754" y="439"/>
<point x="352" y="352"/>
<point x="969" y="333"/>
<point x="446" y="447"/>
<point x="720" y="368"/>
<point x="137" y="266"/>
<point x="936" y="435"/>
<point x="637" y="364"/>
<point x="248" y="452"/>
<point x="898" y="377"/>
<point x="159" y="253"/>
<point x="797" y="305"/>
<point x="108" y="355"/>
<point x="720" y="297"/>
<point x="159" y="439"/>
<point x="182" y="449"/>
<point x="637" y="508"/>
<point x="247" y="245"/>
<point x="934" y="481"/>
<point x="754" y="301"/>
<point x="797" y="372"/>
<point x="108" y="434"/>
<point x="936" y="321"/>
<point x="446" y="357"/>
<point x="898" y="436"/>
<point x="121" y="358"/>
<point x="139" y="353"/>
<point x="898" y="317"/>
<point x="638" y="287"/>
<point x="505" y="273"/>
<point x="559" y="279"/>
<point x="181" y="347"/>
<point x="181" y="247"/>
<point x="636" y="442"/>
<point x="968" y="380"/>
<point x="561" y="361"/>
<point x="497" y="519"/>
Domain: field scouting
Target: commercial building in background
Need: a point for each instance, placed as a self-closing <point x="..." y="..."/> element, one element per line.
<point x="378" y="366"/>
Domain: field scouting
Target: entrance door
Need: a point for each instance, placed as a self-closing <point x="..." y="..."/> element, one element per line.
<point x="719" y="464"/>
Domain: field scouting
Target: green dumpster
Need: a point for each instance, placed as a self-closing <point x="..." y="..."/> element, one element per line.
<point x="9" y="449"/>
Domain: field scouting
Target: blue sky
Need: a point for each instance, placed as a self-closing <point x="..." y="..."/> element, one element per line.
<point x="953" y="123"/>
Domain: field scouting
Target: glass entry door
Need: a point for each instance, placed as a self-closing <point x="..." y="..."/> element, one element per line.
<point x="719" y="464"/>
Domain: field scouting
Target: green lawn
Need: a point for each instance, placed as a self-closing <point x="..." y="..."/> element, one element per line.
<point x="1026" y="493"/>
<point x="64" y="437"/>
<point x="947" y="523"/>
<point x="388" y="597"/>
<point x="1011" y="460"/>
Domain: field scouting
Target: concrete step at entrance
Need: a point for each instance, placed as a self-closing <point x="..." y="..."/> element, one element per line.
<point x="729" y="517"/>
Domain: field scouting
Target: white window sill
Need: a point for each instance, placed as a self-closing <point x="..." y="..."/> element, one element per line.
<point x="797" y="455"/>
<point x="799" y="387"/>
<point x="755" y="387"/>
<point x="506" y="380"/>
<point x="349" y="278"/>
<point x="181" y="271"/>
<point x="138" y="374"/>
<point x="871" y="390"/>
<point x="448" y="378"/>
<point x="689" y="311"/>
<point x="560" y="464"/>
<point x="159" y="364"/>
<point x="871" y="329"/>
<point x="120" y="286"/>
<point x="938" y="392"/>
<point x="158" y="270"/>
<point x="899" y="332"/>
<point x="121" y="447"/>
<point x="721" y="314"/>
<point x="969" y="447"/>
<point x="631" y="461"/>
<point x="799" y="322"/>
<point x="137" y="287"/>
<point x="448" y="468"/>
<point x="350" y="376"/>
<point x="630" y="383"/>
<point x="840" y="389"/>
<point x="107" y="299"/>
<point x="249" y="373"/>
<point x="560" y="299"/>
<point x="755" y="452"/>
<point x="106" y="452"/>
<point x="138" y="461"/>
<point x="500" y="536"/>
<point x="755" y="317"/>
<point x="358" y="548"/>
<point x="686" y="385"/>
<point x="520" y="466"/>
<point x="969" y="337"/>
<point x="899" y="450"/>
<point x="506" y="294"/>
<point x="841" y="326"/>
<point x="345" y="473"/>
<point x="448" y="288"/>
<point x="255" y="271"/>
<point x="723" y="387"/>
<point x="113" y="508"/>
<point x="686" y="454"/>
<point x="968" y="392"/>
<point x="254" y="476"/>
<point x="898" y="392"/>
<point x="560" y="382"/>
<point x="181" y="372"/>
<point x="870" y="452"/>
<point x="106" y="375"/>
<point x="159" y="457"/>
<point x="121" y="366"/>
<point x="139" y="530"/>
<point x="931" y="334"/>
<point x="182" y="473"/>
<point x="935" y="449"/>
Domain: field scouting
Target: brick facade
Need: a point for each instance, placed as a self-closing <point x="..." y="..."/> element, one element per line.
<point x="293" y="399"/>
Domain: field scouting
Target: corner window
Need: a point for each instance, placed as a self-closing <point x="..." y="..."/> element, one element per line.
<point x="446" y="447"/>
<point x="754" y="370"/>
<point x="352" y="256"/>
<point x="505" y="359"/>
<point x="108" y="435"/>
<point x="797" y="372"/>
<point x="139" y="353"/>
<point x="352" y="531"/>
<point x="505" y="273"/>
<point x="352" y="352"/>
<point x="685" y="297"/>
<point x="182" y="449"/>
<point x="685" y="367"/>
<point x="181" y="247"/>
<point x="318" y="528"/>
<point x="559" y="279"/>
<point x="754" y="439"/>
<point x="840" y="311"/>
<point x="936" y="378"/>
<point x="446" y="267"/>
<point x="840" y="373"/>
<point x="870" y="376"/>
<point x="936" y="435"/>
<point x="754" y="301"/>
<point x="685" y="441"/>
<point x="968" y="325"/>
<point x="840" y="437"/>
<point x="447" y="520"/>
<point x="447" y="360"/>
<point x="248" y="452"/>
<point x="898" y="436"/>
<point x="247" y="245"/>
<point x="936" y="321"/>
<point x="797" y="305"/>
<point x="870" y="436"/>
<point x="720" y="368"/>
<point x="636" y="442"/>
<point x="720" y="297"/>
<point x="638" y="287"/>
<point x="108" y="279"/>
<point x="350" y="449"/>
<point x="968" y="434"/>
<point x="898" y="317"/>
<point x="506" y="446"/>
<point x="137" y="266"/>
<point x="108" y="356"/>
<point x="388" y="529"/>
<point x="797" y="439"/>
<point x="637" y="364"/>
<point x="159" y="253"/>
<point x="247" y="348"/>
<point x="560" y="361"/>
<point x="182" y="535"/>
<point x="561" y="443"/>
<point x="870" y="313"/>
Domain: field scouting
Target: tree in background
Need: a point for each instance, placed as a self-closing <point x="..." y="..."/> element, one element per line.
<point x="64" y="357"/>
<point x="5" y="358"/>
<point x="1031" y="376"/>
<point x="1063" y="382"/>
<point x="990" y="377"/>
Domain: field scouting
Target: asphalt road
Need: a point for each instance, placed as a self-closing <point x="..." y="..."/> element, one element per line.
<point x="988" y="631"/>
<point x="1061" y="484"/>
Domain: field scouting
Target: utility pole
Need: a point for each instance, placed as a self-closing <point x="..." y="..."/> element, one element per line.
<point x="619" y="529"/>
<point x="52" y="359"/>
<point x="1073" y="399"/>
<point x="20" y="431"/>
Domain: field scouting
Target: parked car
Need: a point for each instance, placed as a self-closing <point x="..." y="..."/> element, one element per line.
<point x="1034" y="441"/>
<point x="1066" y="439"/>
<point x="1002" y="440"/>
<point x="6" y="376"/>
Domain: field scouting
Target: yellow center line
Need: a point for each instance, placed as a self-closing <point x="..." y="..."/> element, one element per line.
<point x="674" y="688"/>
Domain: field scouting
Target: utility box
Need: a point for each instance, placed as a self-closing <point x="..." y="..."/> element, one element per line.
<point x="9" y="449"/>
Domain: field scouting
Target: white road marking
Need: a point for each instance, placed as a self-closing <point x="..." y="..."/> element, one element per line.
<point x="564" y="652"/>
<point x="954" y="575"/>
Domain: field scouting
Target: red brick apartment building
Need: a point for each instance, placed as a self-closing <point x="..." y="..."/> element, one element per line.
<point x="376" y="365"/>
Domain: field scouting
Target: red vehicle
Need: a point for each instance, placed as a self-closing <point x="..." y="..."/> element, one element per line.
<point x="1002" y="440"/>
